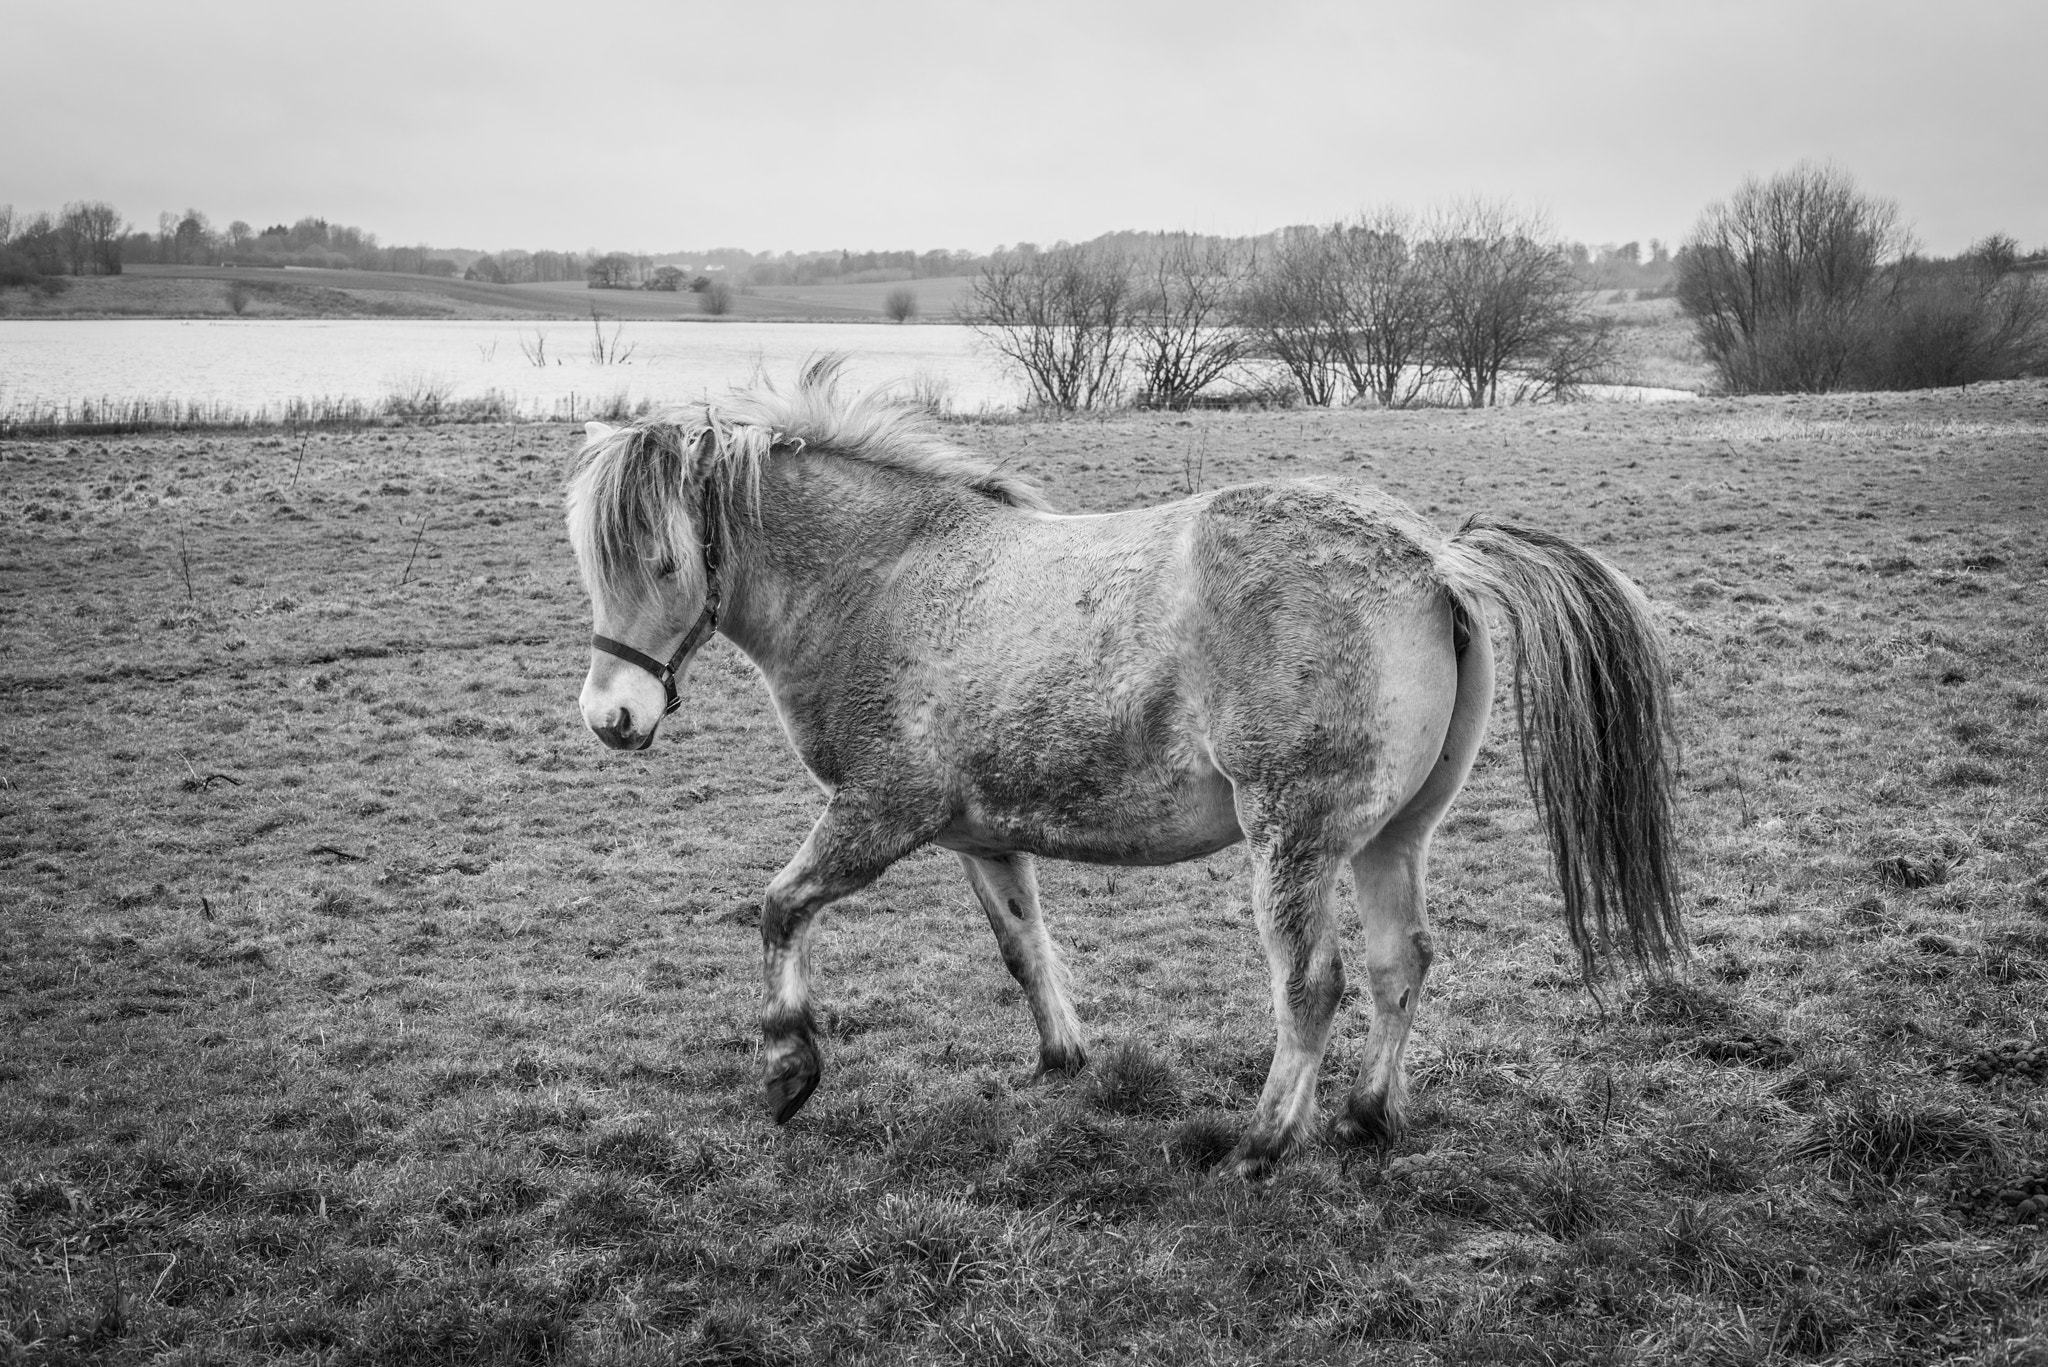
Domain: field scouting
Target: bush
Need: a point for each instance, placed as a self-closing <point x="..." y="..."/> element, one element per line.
<point x="901" y="304"/>
<point x="715" y="298"/>
<point x="1509" y="319"/>
<point x="1783" y="280"/>
<point x="1804" y="283"/>
<point x="1957" y="323"/>
<point x="1062" y="316"/>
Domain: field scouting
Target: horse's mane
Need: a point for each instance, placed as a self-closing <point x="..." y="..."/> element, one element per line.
<point x="628" y="490"/>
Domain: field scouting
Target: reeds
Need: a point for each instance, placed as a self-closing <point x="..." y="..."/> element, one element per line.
<point x="414" y="402"/>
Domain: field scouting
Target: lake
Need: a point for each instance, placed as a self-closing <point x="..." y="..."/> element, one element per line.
<point x="262" y="363"/>
<point x="252" y="363"/>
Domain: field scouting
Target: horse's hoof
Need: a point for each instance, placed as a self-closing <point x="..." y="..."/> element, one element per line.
<point x="1257" y="1157"/>
<point x="791" y="1080"/>
<point x="1368" y="1124"/>
<point x="1060" y="1062"/>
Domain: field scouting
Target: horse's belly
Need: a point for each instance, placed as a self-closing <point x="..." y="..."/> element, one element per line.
<point x="1160" y="818"/>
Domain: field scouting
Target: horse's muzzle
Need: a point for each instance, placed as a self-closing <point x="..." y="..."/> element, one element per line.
<point x="619" y="731"/>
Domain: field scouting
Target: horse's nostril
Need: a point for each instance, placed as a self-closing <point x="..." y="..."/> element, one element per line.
<point x="623" y="723"/>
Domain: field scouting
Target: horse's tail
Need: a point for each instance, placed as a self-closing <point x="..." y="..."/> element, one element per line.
<point x="1593" y="699"/>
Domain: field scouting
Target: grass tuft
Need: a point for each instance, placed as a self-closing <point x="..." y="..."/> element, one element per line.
<point x="1202" y="1141"/>
<point x="1131" y="1079"/>
<point x="1889" y="1137"/>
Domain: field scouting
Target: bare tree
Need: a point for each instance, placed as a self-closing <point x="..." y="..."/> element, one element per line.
<point x="1062" y="316"/>
<point x="1185" y="327"/>
<point x="1287" y="306"/>
<point x="1508" y="307"/>
<point x="1783" y="279"/>
<point x="1382" y="306"/>
<point x="92" y="231"/>
<point x="715" y="298"/>
<point x="901" y="304"/>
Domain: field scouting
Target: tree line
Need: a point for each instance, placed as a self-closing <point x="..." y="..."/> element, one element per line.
<point x="92" y="238"/>
<point x="1476" y="303"/>
<point x="1798" y="282"/>
<point x="41" y="249"/>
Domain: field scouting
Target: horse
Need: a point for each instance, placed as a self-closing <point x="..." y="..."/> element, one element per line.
<point x="1301" y="666"/>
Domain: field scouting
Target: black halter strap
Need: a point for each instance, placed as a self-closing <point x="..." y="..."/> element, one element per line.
<point x="707" y="620"/>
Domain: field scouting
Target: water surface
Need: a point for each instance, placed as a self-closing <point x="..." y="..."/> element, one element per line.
<point x="252" y="363"/>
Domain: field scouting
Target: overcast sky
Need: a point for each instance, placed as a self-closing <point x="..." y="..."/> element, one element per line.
<point x="908" y="123"/>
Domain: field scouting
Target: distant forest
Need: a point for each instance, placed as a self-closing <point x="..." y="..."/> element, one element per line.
<point x="93" y="238"/>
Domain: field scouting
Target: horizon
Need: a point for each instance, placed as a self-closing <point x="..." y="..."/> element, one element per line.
<point x="873" y="131"/>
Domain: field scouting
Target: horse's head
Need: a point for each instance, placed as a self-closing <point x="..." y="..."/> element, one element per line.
<point x="636" y="506"/>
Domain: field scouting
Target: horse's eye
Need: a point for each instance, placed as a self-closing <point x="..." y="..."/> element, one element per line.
<point x="665" y="570"/>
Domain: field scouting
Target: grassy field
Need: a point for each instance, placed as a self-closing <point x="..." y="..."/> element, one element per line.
<point x="356" y="1007"/>
<point x="202" y="292"/>
<point x="1653" y="344"/>
<point x="935" y="297"/>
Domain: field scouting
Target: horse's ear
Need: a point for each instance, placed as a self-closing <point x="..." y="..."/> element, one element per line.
<point x="597" y="431"/>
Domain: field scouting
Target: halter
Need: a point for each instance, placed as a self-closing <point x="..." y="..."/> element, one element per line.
<point x="707" y="620"/>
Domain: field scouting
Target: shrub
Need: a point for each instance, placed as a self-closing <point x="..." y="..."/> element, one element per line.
<point x="418" y="397"/>
<point x="1782" y="279"/>
<point x="1186" y="336"/>
<point x="16" y="269"/>
<point x="715" y="298"/>
<point x="1956" y="323"/>
<point x="901" y="304"/>
<point x="1804" y="283"/>
<point x="1062" y="316"/>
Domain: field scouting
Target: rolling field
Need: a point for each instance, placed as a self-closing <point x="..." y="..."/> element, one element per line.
<point x="357" y="1007"/>
<point x="935" y="297"/>
<point x="201" y="292"/>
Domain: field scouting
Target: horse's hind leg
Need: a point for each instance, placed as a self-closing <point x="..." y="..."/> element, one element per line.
<point x="1389" y="871"/>
<point x="1294" y="875"/>
<point x="1008" y="891"/>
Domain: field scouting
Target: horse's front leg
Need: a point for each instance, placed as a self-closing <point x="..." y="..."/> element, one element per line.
<point x="852" y="843"/>
<point x="1293" y="881"/>
<point x="1007" y="888"/>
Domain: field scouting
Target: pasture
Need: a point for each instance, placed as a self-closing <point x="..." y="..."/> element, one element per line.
<point x="202" y="292"/>
<point x="356" y="1006"/>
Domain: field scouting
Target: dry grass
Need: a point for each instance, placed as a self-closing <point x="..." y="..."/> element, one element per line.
<point x="1653" y="344"/>
<point x="357" y="1007"/>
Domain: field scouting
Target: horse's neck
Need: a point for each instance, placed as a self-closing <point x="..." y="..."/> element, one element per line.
<point x="828" y="533"/>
